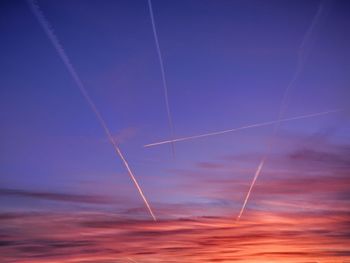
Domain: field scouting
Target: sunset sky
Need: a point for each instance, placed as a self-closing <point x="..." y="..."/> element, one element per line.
<point x="65" y="196"/>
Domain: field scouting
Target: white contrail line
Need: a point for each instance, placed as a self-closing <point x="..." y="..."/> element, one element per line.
<point x="251" y="187"/>
<point x="165" y="86"/>
<point x="283" y="105"/>
<point x="241" y="128"/>
<point x="59" y="48"/>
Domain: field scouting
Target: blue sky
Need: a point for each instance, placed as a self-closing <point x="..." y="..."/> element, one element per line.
<point x="227" y="65"/>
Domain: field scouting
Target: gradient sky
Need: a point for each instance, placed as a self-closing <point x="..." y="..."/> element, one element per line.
<point x="66" y="197"/>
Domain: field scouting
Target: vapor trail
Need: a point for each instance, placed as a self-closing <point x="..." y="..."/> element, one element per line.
<point x="165" y="86"/>
<point x="300" y="65"/>
<point x="59" y="48"/>
<point x="251" y="187"/>
<point x="301" y="56"/>
<point x="241" y="128"/>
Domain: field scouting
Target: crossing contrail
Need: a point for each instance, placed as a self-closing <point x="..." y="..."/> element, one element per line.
<point x="302" y="53"/>
<point x="256" y="125"/>
<point x="165" y="86"/>
<point x="61" y="52"/>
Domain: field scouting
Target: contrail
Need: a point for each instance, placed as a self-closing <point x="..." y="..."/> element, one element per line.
<point x="241" y="128"/>
<point x="59" y="48"/>
<point x="251" y="186"/>
<point x="165" y="86"/>
<point x="300" y="65"/>
<point x="301" y="56"/>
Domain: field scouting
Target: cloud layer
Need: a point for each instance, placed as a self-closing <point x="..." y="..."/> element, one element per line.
<point x="261" y="237"/>
<point x="299" y="212"/>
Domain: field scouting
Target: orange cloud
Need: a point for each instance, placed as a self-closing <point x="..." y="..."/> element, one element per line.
<point x="263" y="237"/>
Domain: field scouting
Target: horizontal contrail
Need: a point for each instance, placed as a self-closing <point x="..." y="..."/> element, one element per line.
<point x="302" y="53"/>
<point x="59" y="48"/>
<point x="242" y="128"/>
<point x="161" y="63"/>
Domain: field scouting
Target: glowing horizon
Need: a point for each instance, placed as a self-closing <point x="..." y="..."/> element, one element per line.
<point x="258" y="90"/>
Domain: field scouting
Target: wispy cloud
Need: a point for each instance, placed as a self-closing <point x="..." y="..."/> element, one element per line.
<point x="296" y="215"/>
<point x="282" y="237"/>
<point x="54" y="196"/>
<point x="311" y="173"/>
<point x="125" y="134"/>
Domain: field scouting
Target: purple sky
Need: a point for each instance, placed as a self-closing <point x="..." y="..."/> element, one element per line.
<point x="227" y="65"/>
<point x="66" y="197"/>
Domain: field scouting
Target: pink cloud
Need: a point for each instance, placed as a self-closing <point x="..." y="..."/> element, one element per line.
<point x="261" y="237"/>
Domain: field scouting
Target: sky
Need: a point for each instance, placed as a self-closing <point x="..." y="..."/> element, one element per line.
<point x="65" y="196"/>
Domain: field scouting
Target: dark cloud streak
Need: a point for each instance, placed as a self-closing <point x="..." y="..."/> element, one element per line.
<point x="52" y="196"/>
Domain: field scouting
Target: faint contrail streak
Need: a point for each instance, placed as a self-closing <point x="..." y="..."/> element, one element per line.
<point x="59" y="48"/>
<point x="165" y="86"/>
<point x="300" y="64"/>
<point x="302" y="54"/>
<point x="241" y="128"/>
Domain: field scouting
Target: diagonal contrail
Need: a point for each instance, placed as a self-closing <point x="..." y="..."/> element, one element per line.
<point x="165" y="86"/>
<point x="251" y="186"/>
<point x="256" y="125"/>
<point x="300" y="64"/>
<point x="59" y="48"/>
